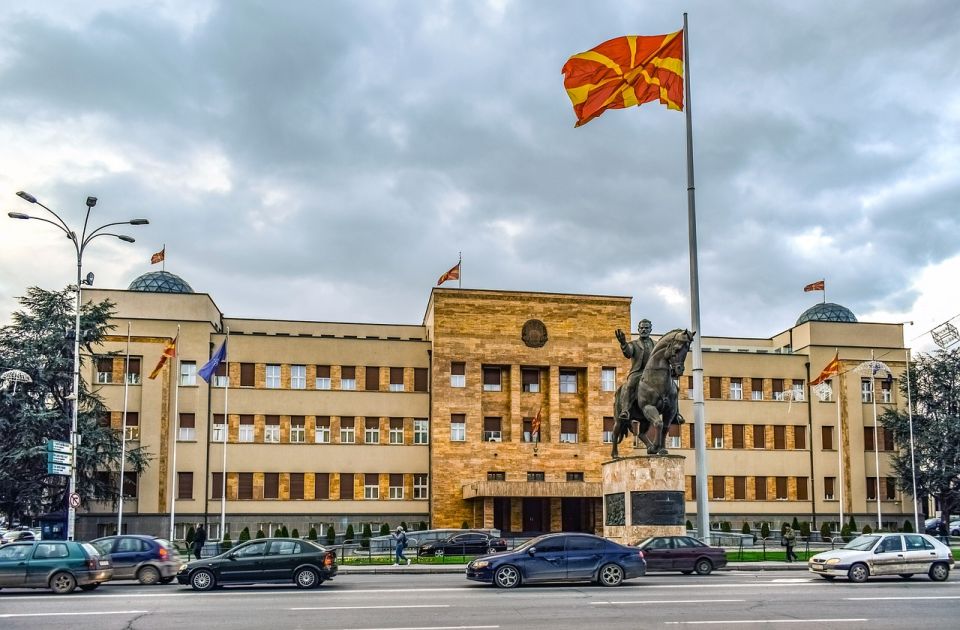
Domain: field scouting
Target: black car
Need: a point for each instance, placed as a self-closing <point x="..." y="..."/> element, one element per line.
<point x="303" y="562"/>
<point x="681" y="553"/>
<point x="148" y="559"/>
<point x="463" y="544"/>
<point x="560" y="558"/>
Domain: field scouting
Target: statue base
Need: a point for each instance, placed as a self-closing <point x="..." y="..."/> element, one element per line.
<point x="643" y="496"/>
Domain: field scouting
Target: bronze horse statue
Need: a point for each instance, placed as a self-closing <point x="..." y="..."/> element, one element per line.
<point x="655" y="402"/>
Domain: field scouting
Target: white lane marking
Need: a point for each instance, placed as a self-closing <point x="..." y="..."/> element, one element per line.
<point x="244" y="593"/>
<point x="668" y="601"/>
<point x="65" y="614"/>
<point x="428" y="628"/>
<point x="873" y="599"/>
<point x="373" y="607"/>
<point x="738" y="621"/>
<point x="791" y="580"/>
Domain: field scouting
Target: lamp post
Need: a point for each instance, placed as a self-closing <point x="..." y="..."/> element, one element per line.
<point x="80" y="242"/>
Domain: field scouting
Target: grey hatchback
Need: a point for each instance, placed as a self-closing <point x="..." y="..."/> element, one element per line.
<point x="147" y="559"/>
<point x="60" y="565"/>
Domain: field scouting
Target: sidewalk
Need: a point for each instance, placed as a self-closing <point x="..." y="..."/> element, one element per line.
<point x="412" y="569"/>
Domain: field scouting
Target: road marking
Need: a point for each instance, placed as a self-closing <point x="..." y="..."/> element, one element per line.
<point x="373" y="607"/>
<point x="738" y="621"/>
<point x="791" y="580"/>
<point x="65" y="614"/>
<point x="872" y="599"/>
<point x="668" y="601"/>
<point x="428" y="628"/>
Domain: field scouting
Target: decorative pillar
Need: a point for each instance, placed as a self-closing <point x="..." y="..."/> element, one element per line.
<point x="643" y="496"/>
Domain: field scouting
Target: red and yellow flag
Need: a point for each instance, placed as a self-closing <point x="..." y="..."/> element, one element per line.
<point x="814" y="286"/>
<point x="169" y="351"/>
<point x="832" y="369"/>
<point x="159" y="256"/>
<point x="535" y="427"/>
<point x="453" y="274"/>
<point x="626" y="71"/>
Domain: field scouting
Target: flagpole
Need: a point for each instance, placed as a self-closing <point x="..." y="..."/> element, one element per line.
<point x="839" y="443"/>
<point x="226" y="432"/>
<point x="460" y="268"/>
<point x="699" y="421"/>
<point x="123" y="430"/>
<point x="163" y="267"/>
<point x="876" y="438"/>
<point x="174" y="486"/>
<point x="913" y="461"/>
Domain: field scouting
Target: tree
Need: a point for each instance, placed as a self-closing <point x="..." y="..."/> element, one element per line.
<point x="191" y="534"/>
<point x="295" y="533"/>
<point x="422" y="526"/>
<point x="40" y="342"/>
<point x="365" y="537"/>
<point x="825" y="532"/>
<point x="244" y="535"/>
<point x="385" y="529"/>
<point x="331" y="535"/>
<point x="907" y="527"/>
<point x="261" y="534"/>
<point x="312" y="534"/>
<point x="934" y="382"/>
<point x="226" y="543"/>
<point x="283" y="532"/>
<point x="765" y="530"/>
<point x="348" y="536"/>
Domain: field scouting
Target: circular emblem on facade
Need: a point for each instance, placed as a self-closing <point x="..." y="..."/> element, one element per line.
<point x="534" y="333"/>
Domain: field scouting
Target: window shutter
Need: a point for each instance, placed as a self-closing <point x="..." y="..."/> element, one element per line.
<point x="419" y="379"/>
<point x="348" y="372"/>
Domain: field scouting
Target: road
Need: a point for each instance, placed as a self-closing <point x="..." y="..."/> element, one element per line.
<point x="734" y="599"/>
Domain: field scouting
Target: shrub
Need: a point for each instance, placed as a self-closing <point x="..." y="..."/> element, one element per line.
<point x="805" y="529"/>
<point x="312" y="534"/>
<point x="765" y="530"/>
<point x="867" y="529"/>
<point x="331" y="535"/>
<point x="385" y="529"/>
<point x="283" y="532"/>
<point x="226" y="543"/>
<point x="464" y="525"/>
<point x="689" y="525"/>
<point x="190" y="535"/>
<point x="825" y="532"/>
<point x="422" y="526"/>
<point x="845" y="533"/>
<point x="365" y="537"/>
<point x="295" y="533"/>
<point x="725" y="527"/>
<point x="746" y="529"/>
<point x="403" y="524"/>
<point x="278" y="532"/>
<point x="853" y="524"/>
<point x="908" y="527"/>
<point x="261" y="534"/>
<point x="348" y="537"/>
<point x="795" y="524"/>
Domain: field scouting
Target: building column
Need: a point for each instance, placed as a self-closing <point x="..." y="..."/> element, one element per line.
<point x="488" y="513"/>
<point x="556" y="514"/>
<point x="516" y="514"/>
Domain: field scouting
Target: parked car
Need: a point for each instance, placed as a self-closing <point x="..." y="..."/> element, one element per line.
<point x="955" y="528"/>
<point x="148" y="559"/>
<point x="560" y="558"/>
<point x="60" y="565"/>
<point x="885" y="554"/>
<point x="17" y="534"/>
<point x="464" y="543"/>
<point x="415" y="538"/>
<point x="931" y="526"/>
<point x="306" y="563"/>
<point x="681" y="553"/>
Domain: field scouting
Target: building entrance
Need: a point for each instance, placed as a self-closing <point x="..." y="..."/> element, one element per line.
<point x="536" y="516"/>
<point x="578" y="515"/>
<point x="501" y="514"/>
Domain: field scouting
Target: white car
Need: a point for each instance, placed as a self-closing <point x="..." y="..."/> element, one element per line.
<point x="885" y="554"/>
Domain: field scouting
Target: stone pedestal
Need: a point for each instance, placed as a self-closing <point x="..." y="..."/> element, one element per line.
<point x="643" y="496"/>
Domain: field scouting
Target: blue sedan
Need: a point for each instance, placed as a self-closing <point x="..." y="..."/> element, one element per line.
<point x="560" y="558"/>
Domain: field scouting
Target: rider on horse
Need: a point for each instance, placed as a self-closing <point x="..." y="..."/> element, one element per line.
<point x="638" y="351"/>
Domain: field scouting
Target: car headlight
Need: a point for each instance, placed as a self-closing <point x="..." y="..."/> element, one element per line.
<point x="833" y="561"/>
<point x="481" y="564"/>
<point x="182" y="568"/>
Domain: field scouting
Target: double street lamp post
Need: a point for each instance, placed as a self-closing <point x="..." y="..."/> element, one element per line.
<point x="80" y="242"/>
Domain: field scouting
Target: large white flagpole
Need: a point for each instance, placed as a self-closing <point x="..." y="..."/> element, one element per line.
<point x="226" y="432"/>
<point x="913" y="461"/>
<point x="174" y="485"/>
<point x="123" y="431"/>
<point x="876" y="437"/>
<point x="840" y="446"/>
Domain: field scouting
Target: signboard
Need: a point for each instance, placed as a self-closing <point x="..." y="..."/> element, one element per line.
<point x="56" y="446"/>
<point x="58" y="469"/>
<point x="74" y="500"/>
<point x="59" y="458"/>
<point x="657" y="508"/>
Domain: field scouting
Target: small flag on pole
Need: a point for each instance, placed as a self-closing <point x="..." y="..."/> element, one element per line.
<point x="206" y="372"/>
<point x="159" y="256"/>
<point x="535" y="427"/>
<point x="814" y="286"/>
<point x="453" y="274"/>
<point x="832" y="369"/>
<point x="169" y="351"/>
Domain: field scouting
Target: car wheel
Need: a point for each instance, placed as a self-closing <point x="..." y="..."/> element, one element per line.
<point x="492" y="550"/>
<point x="89" y="587"/>
<point x="62" y="583"/>
<point x="306" y="578"/>
<point x="906" y="576"/>
<point x="438" y="553"/>
<point x="939" y="572"/>
<point x="202" y="580"/>
<point x="687" y="572"/>
<point x="610" y="575"/>
<point x="507" y="576"/>
<point x="829" y="578"/>
<point x="703" y="566"/>
<point x="148" y="575"/>
<point x="166" y="580"/>
<point x="858" y="573"/>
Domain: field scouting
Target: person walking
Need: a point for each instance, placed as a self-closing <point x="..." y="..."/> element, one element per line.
<point x="401" y="538"/>
<point x="199" y="539"/>
<point x="789" y="539"/>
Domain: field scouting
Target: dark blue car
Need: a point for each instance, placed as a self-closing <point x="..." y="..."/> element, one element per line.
<point x="560" y="558"/>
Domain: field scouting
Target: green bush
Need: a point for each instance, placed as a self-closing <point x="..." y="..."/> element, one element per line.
<point x="853" y="524"/>
<point x="295" y="533"/>
<point x="464" y="525"/>
<point x="348" y="537"/>
<point x="795" y="524"/>
<point x="244" y="535"/>
<point x="278" y="532"/>
<point x="725" y="527"/>
<point x="825" y="532"/>
<point x="312" y="534"/>
<point x="867" y="529"/>
<point x="765" y="530"/>
<point x="805" y="529"/>
<point x="908" y="527"/>
<point x="845" y="533"/>
<point x="689" y="525"/>
<point x="385" y="529"/>
<point x="261" y="534"/>
<point x="331" y="535"/>
<point x="226" y="543"/>
<point x="190" y="535"/>
<point x="422" y="526"/>
<point x="746" y="529"/>
<point x="365" y="537"/>
<point x="403" y="524"/>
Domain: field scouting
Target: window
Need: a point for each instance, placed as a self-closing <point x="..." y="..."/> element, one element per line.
<point x="273" y="376"/>
<point x="348" y="378"/>
<point x="756" y="389"/>
<point x="419" y="379"/>
<point x="347" y="430"/>
<point x="396" y="379"/>
<point x="673" y="435"/>
<point x="458" y="427"/>
<point x="890" y="485"/>
<point x="322" y="433"/>
<point x="716" y="435"/>
<point x="298" y="430"/>
<point x="781" y="488"/>
<point x="133" y="370"/>
<point x="740" y="488"/>
<point x="296" y="486"/>
<point x="104" y="370"/>
<point x="184" y="485"/>
<point x="371" y="430"/>
<point x="271" y="430"/>
<point x="779" y="437"/>
<point x="131" y="429"/>
<point x="396" y="430"/>
<point x="574" y="476"/>
<point x="777" y="387"/>
<point x="868" y="442"/>
<point x="283" y="548"/>
<point x="216" y="485"/>
<point x="828" y="483"/>
<point x="188" y="427"/>
<point x="886" y="435"/>
<point x="608" y="430"/>
<point x="420" y="486"/>
<point x="248" y="372"/>
<point x="219" y="428"/>
<point x="496" y="476"/>
<point x="458" y="374"/>
<point x="371" y="486"/>
<point x="569" y="430"/>
<point x="693" y="488"/>
<point x="396" y="486"/>
<point x="714" y="382"/>
<point x="536" y="476"/>
<point x="608" y="379"/>
<point x="760" y="488"/>
<point x="802" y="484"/>
<point x="531" y="379"/>
<point x="491" y="430"/>
<point x="104" y="419"/>
<point x="692" y="434"/>
<point x="298" y="377"/>
<point x="568" y="381"/>
<point x="866" y="390"/>
<point x="188" y="373"/>
<point x="421" y="431"/>
<point x="719" y="487"/>
<point x="371" y="381"/>
<point x="322" y="380"/>
<point x="321" y="486"/>
<point x="220" y="375"/>
<point x="886" y="390"/>
<point x="826" y="438"/>
<point x="491" y="379"/>
<point x="871" y="488"/>
<point x="246" y="428"/>
<point x="527" y="430"/>
<point x="738" y="433"/>
<point x="799" y="437"/>
<point x="736" y="389"/>
<point x="244" y="486"/>
<point x="797" y="388"/>
<point x="346" y="486"/>
<point x="271" y="485"/>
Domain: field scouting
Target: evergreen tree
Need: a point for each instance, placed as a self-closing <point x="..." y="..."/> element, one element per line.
<point x="867" y="529"/>
<point x="403" y="524"/>
<point x="825" y="532"/>
<point x="348" y="536"/>
<point x="385" y="529"/>
<point x="689" y="525"/>
<point x="244" y="535"/>
<point x="805" y="529"/>
<point x="422" y="526"/>
<point x="765" y="530"/>
<point x="191" y="534"/>
<point x="295" y="533"/>
<point x="464" y="525"/>
<point x="907" y="527"/>
<point x="853" y="524"/>
<point x="365" y="537"/>
<point x="725" y="527"/>
<point x="746" y="528"/>
<point x="795" y="524"/>
<point x="331" y="535"/>
<point x="261" y="534"/>
<point x="226" y="543"/>
<point x="312" y="534"/>
<point x="283" y="532"/>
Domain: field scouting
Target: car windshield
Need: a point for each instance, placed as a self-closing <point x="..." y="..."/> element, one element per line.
<point x="862" y="543"/>
<point x="531" y="543"/>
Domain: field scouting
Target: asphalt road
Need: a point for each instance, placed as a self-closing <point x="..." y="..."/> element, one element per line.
<point x="725" y="599"/>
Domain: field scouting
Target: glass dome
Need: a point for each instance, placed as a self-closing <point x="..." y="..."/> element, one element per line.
<point x="160" y="282"/>
<point x="827" y="312"/>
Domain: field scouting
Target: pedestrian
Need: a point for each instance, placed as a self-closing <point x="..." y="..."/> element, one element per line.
<point x="401" y="537"/>
<point x="944" y="531"/>
<point x="199" y="539"/>
<point x="789" y="538"/>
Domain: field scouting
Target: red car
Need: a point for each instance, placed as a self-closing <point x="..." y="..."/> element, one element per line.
<point x="681" y="553"/>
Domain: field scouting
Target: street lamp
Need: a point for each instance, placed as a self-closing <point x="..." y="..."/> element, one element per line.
<point x="80" y="243"/>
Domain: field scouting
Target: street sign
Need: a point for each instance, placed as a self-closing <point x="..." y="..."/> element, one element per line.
<point x="59" y="458"/>
<point x="58" y="469"/>
<point x="74" y="500"/>
<point x="56" y="446"/>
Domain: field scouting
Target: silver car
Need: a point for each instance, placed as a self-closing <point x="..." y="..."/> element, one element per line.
<point x="885" y="554"/>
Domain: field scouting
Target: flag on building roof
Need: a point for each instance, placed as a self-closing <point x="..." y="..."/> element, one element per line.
<point x="453" y="274"/>
<point x="814" y="286"/>
<point x="206" y="372"/>
<point x="169" y="351"/>
<point x="626" y="71"/>
<point x="832" y="369"/>
<point x="159" y="256"/>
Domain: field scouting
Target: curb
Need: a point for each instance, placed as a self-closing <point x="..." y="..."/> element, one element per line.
<point x="461" y="568"/>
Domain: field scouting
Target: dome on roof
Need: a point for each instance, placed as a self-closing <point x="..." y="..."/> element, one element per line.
<point x="160" y="282"/>
<point x="827" y="312"/>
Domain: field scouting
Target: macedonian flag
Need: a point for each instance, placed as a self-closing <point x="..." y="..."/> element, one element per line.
<point x="832" y="369"/>
<point x="626" y="71"/>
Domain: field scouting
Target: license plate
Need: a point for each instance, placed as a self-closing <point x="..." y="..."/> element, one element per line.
<point x="817" y="567"/>
<point x="104" y="563"/>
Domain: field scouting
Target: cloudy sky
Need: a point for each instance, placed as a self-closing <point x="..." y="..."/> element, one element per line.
<point x="329" y="160"/>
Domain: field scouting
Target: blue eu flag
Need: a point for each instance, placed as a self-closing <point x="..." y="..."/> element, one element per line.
<point x="206" y="372"/>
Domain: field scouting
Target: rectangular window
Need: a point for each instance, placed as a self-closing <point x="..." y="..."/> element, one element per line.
<point x="458" y="427"/>
<point x="797" y="388"/>
<point x="322" y="433"/>
<point x="719" y="487"/>
<point x="531" y="379"/>
<point x="458" y="374"/>
<point x="740" y="488"/>
<point x="491" y="430"/>
<point x="273" y="376"/>
<point x="245" y="486"/>
<point x="716" y="435"/>
<point x="496" y="476"/>
<point x="569" y="433"/>
<point x="130" y="485"/>
<point x="673" y="435"/>
<point x="568" y="381"/>
<point x="396" y="486"/>
<point x="692" y="434"/>
<point x="371" y="486"/>
<point x="348" y="378"/>
<point x="799" y="437"/>
<point x="321" y="486"/>
<point x="886" y="435"/>
<point x="828" y="483"/>
<point x="866" y="390"/>
<point x="759" y="436"/>
<point x="779" y="437"/>
<point x="574" y="476"/>
<point x="608" y="429"/>
<point x="248" y="372"/>
<point x="802" y="485"/>
<point x="296" y="486"/>
<point x="420" y="488"/>
<point x="298" y="430"/>
<point x="826" y="438"/>
<point x="760" y="488"/>
<point x="736" y="389"/>
<point x="219" y="428"/>
<point x="348" y="431"/>
<point x="781" y="488"/>
<point x="777" y="387"/>
<point x="756" y="389"/>
<point x="188" y="373"/>
<point x="271" y="430"/>
<point x="246" y="428"/>
<point x="527" y="430"/>
<point x="868" y="441"/>
<point x="536" y="476"/>
<point x="184" y="485"/>
<point x="714" y="382"/>
<point x="372" y="378"/>
<point x="396" y="430"/>
<point x="421" y="431"/>
<point x="396" y="379"/>
<point x="104" y="370"/>
<point x="271" y="485"/>
<point x="738" y="433"/>
<point x="886" y="390"/>
<point x="608" y="379"/>
<point x="491" y="379"/>
<point x="346" y="486"/>
<point x="322" y="380"/>
<point x="132" y="426"/>
<point x="220" y="376"/>
<point x="371" y="430"/>
<point x="871" y="488"/>
<point x="187" y="431"/>
<point x="890" y="485"/>
<point x="419" y="379"/>
<point x="216" y="485"/>
<point x="133" y="370"/>
<point x="298" y="377"/>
